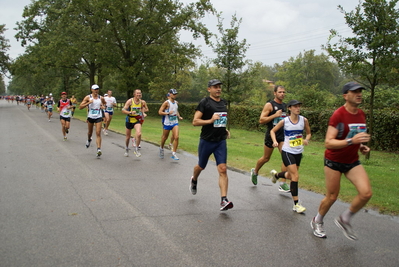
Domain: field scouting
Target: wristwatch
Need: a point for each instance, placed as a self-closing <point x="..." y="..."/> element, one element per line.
<point x="349" y="141"/>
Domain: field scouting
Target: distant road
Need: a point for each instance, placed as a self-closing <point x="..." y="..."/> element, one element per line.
<point x="61" y="206"/>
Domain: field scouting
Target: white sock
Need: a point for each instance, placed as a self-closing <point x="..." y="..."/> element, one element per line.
<point x="318" y="218"/>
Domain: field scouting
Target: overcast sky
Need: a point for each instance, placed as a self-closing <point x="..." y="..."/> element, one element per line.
<point x="275" y="29"/>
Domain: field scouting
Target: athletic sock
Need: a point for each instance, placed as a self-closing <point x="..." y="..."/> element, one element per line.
<point x="225" y="199"/>
<point x="319" y="218"/>
<point x="346" y="216"/>
<point x="281" y="175"/>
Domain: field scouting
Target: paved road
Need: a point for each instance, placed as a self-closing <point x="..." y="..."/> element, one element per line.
<point x="61" y="206"/>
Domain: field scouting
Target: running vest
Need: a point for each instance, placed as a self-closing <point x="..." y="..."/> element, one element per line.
<point x="94" y="109"/>
<point x="109" y="101"/>
<point x="293" y="135"/>
<point x="64" y="111"/>
<point x="171" y="119"/>
<point x="50" y="104"/>
<point x="138" y="117"/>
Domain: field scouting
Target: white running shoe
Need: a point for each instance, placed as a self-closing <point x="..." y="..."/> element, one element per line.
<point x="161" y="153"/>
<point x="136" y="152"/>
<point x="88" y="143"/>
<point x="318" y="229"/>
<point x="273" y="174"/>
<point x="298" y="208"/>
<point x="174" y="157"/>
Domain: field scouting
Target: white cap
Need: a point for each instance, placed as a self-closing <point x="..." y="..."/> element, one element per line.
<point x="51" y="94"/>
<point x="106" y="95"/>
<point x="95" y="86"/>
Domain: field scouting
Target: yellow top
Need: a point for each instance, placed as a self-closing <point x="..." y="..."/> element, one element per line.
<point x="138" y="116"/>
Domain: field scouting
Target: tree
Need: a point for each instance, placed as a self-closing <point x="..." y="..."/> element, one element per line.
<point x="230" y="57"/>
<point x="4" y="46"/>
<point x="257" y="84"/>
<point x="132" y="40"/>
<point x="309" y="70"/>
<point x="370" y="56"/>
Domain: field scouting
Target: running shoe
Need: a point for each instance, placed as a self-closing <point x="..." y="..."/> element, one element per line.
<point x="174" y="157"/>
<point x="105" y="132"/>
<point x="49" y="120"/>
<point x="254" y="177"/>
<point x="65" y="138"/>
<point x="170" y="146"/>
<point x="161" y="153"/>
<point x="139" y="147"/>
<point x="318" y="229"/>
<point x="136" y="152"/>
<point x="346" y="228"/>
<point x="274" y="176"/>
<point x="99" y="153"/>
<point x="126" y="152"/>
<point x="66" y="130"/>
<point x="88" y="143"/>
<point x="225" y="205"/>
<point x="193" y="187"/>
<point x="298" y="208"/>
<point x="284" y="188"/>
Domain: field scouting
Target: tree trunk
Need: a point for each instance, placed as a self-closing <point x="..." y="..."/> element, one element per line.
<point x="371" y="120"/>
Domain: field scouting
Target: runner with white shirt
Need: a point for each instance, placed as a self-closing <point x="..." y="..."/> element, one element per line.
<point x="291" y="153"/>
<point x="93" y="102"/>
<point x="170" y="121"/>
<point x="110" y="103"/>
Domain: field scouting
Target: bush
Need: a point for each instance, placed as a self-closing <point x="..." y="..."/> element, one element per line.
<point x="385" y="137"/>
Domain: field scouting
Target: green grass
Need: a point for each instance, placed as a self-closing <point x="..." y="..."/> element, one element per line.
<point x="245" y="148"/>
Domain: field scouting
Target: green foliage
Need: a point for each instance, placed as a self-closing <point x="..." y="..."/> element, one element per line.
<point x="2" y="85"/>
<point x="230" y="57"/>
<point x="256" y="85"/>
<point x="4" y="46"/>
<point x="135" y="41"/>
<point x="309" y="70"/>
<point x="386" y="132"/>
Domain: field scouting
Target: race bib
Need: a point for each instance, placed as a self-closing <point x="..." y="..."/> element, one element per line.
<point x="355" y="128"/>
<point x="109" y="108"/>
<point x="222" y="121"/>
<point x="66" y="113"/>
<point x="296" y="140"/>
<point x="94" y="111"/>
<point x="173" y="119"/>
<point x="277" y="120"/>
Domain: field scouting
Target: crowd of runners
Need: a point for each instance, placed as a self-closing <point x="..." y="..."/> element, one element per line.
<point x="287" y="130"/>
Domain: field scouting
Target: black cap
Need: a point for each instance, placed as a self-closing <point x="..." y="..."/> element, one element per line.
<point x="173" y="91"/>
<point x="214" y="82"/>
<point x="351" y="86"/>
<point x="293" y="102"/>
